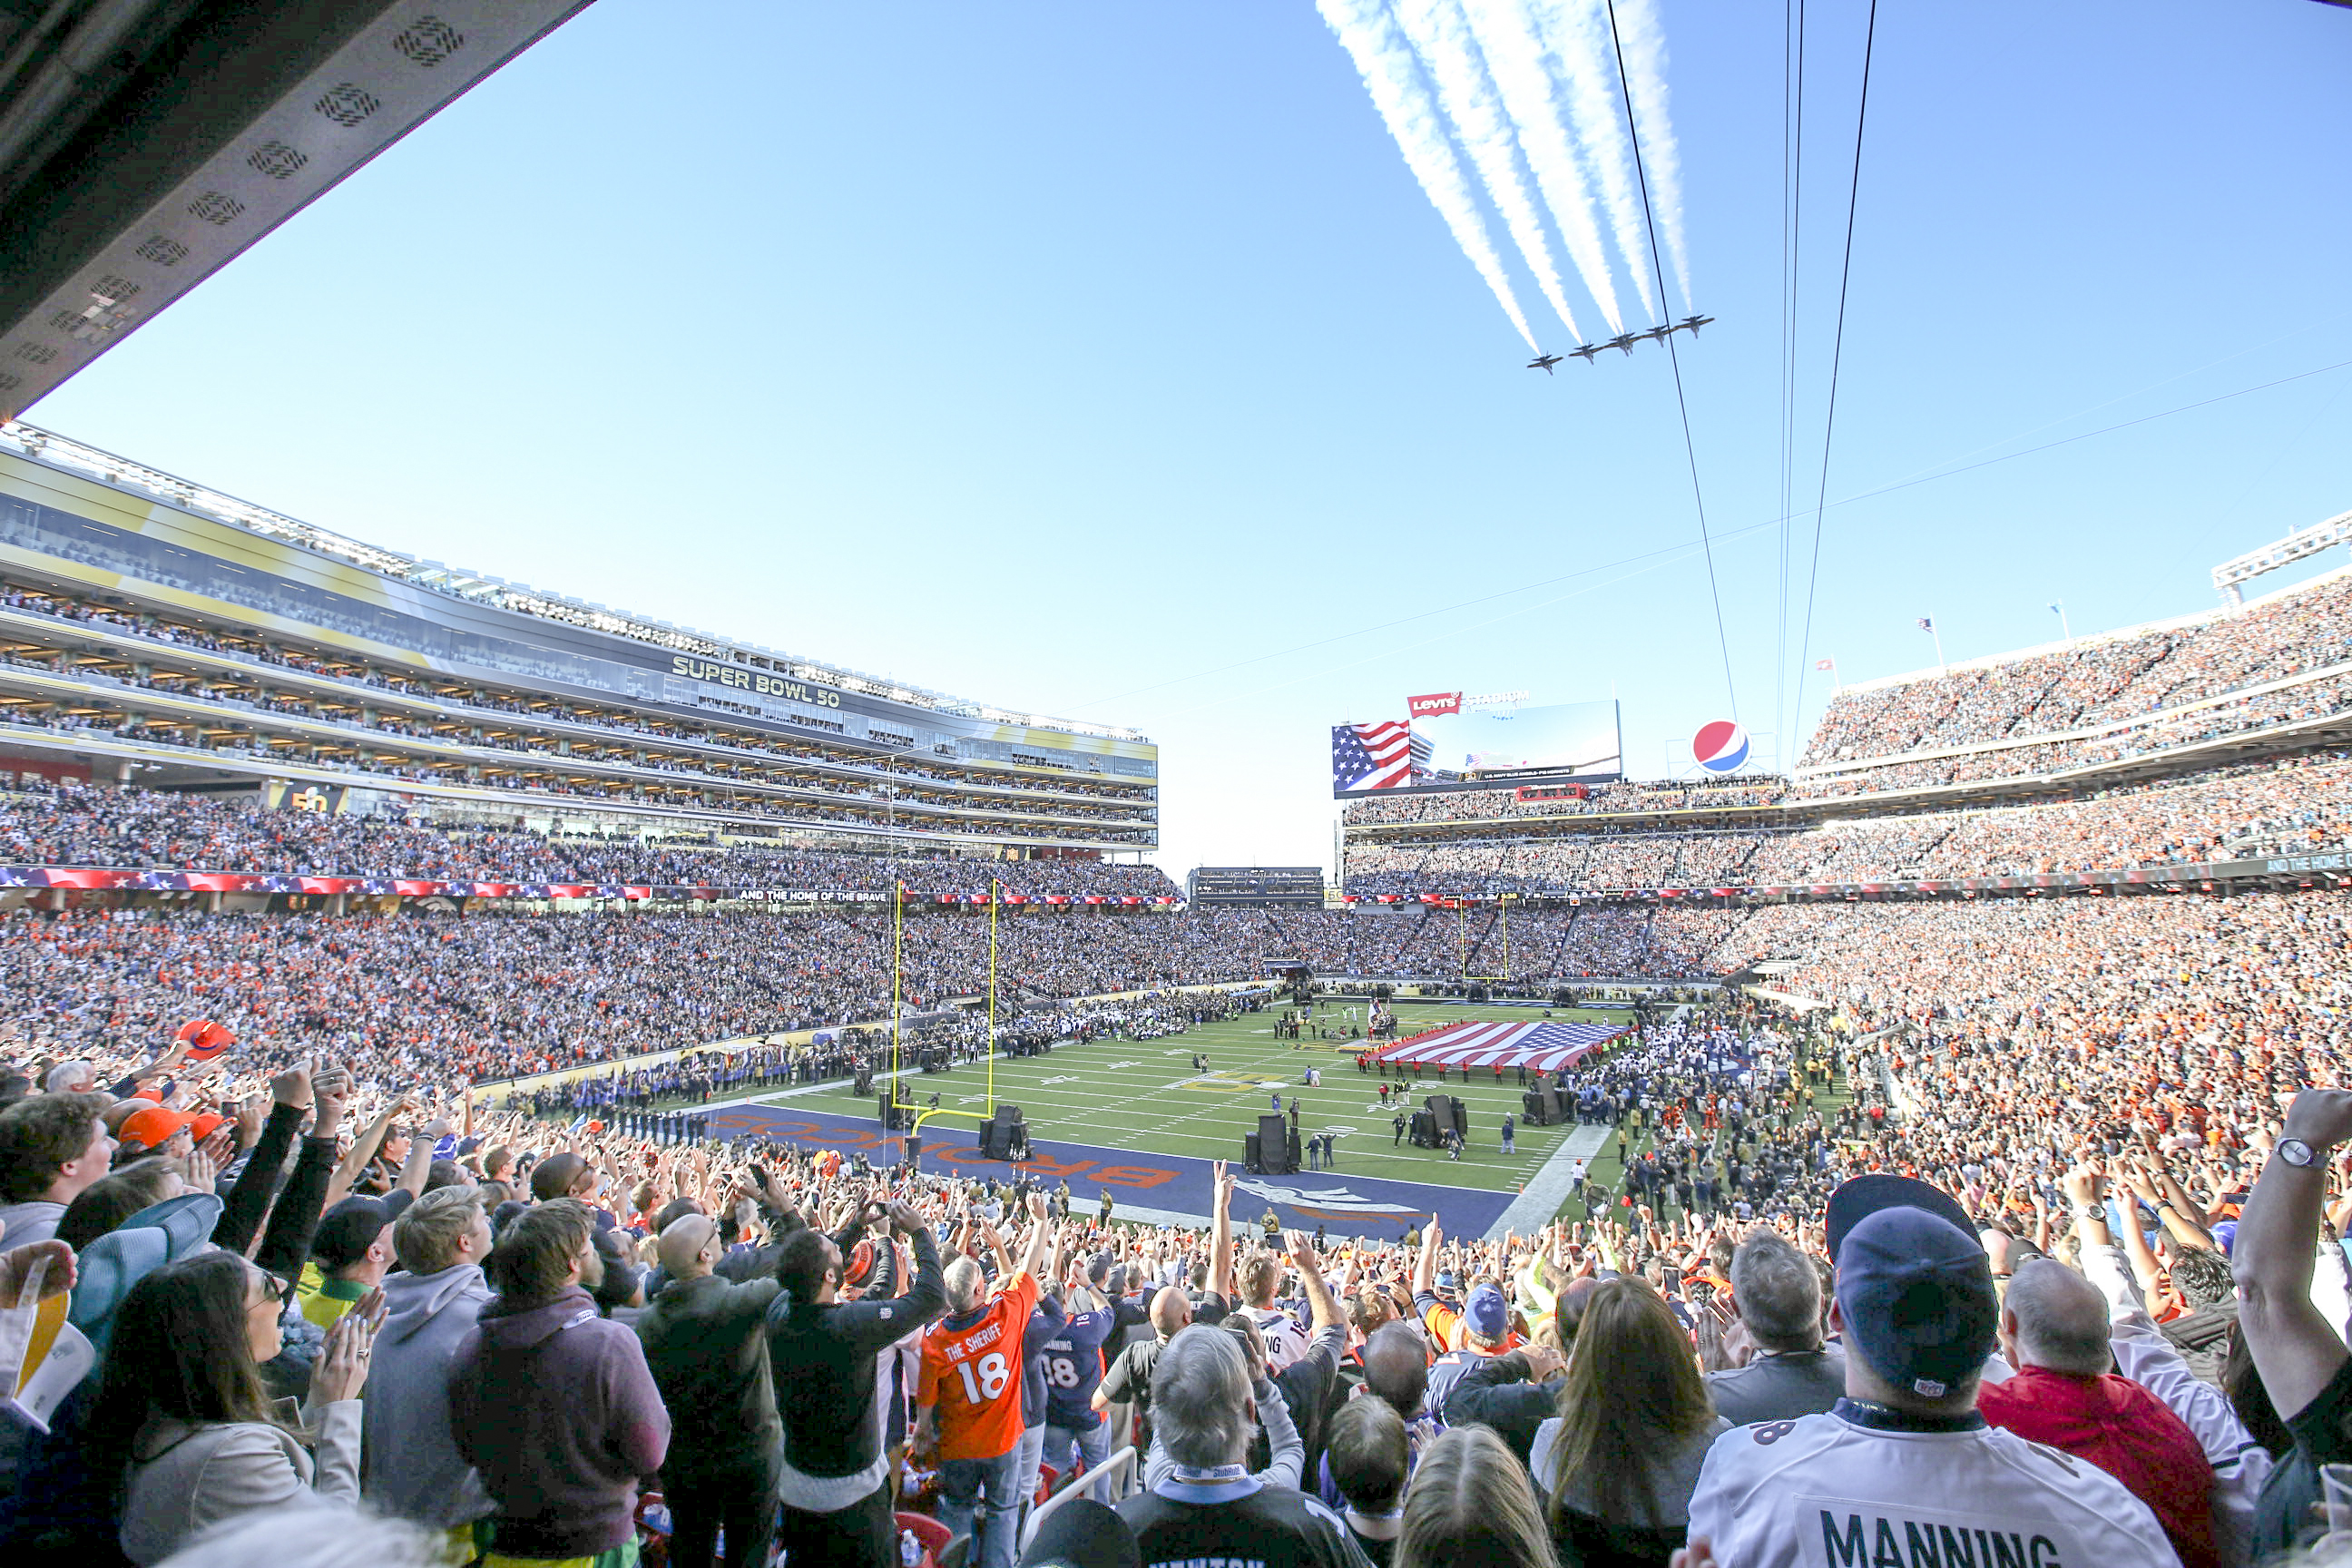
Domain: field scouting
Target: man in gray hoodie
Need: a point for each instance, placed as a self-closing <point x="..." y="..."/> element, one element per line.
<point x="410" y="1466"/>
<point x="552" y="1403"/>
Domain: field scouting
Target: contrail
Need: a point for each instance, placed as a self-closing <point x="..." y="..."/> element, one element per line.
<point x="1576" y="37"/>
<point x="1441" y="35"/>
<point x="1506" y="37"/>
<point x="1393" y="78"/>
<point x="1645" y="80"/>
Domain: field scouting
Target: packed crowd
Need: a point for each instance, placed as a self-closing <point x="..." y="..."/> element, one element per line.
<point x="1550" y="800"/>
<point x="82" y="824"/>
<point x="2099" y="680"/>
<point x="2285" y="806"/>
<point x="2005" y="1256"/>
<point x="424" y="1000"/>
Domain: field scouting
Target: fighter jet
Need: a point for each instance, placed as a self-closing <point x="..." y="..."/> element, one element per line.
<point x="1586" y="350"/>
<point x="1622" y="341"/>
<point x="1691" y="325"/>
<point x="1543" y="363"/>
<point x="1656" y="334"/>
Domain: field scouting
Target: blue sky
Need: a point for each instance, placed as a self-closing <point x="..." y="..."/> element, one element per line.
<point x="1065" y="355"/>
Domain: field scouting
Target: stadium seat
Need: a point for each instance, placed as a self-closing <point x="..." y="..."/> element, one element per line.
<point x="929" y="1534"/>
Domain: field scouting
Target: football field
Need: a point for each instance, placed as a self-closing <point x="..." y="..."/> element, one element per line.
<point x="1142" y="1097"/>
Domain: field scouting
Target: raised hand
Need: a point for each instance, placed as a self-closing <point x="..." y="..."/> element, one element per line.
<point x="199" y="1170"/>
<point x="292" y="1086"/>
<point x="16" y="1266"/>
<point x="342" y="1366"/>
<point x="2320" y="1117"/>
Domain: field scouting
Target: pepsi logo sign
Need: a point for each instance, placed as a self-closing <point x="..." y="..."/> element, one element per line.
<point x="1720" y="747"/>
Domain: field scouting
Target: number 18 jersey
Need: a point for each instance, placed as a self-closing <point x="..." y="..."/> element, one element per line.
<point x="971" y="1372"/>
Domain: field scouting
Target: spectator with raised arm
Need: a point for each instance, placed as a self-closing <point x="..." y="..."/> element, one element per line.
<point x="412" y="1468"/>
<point x="706" y="1346"/>
<point x="970" y="1394"/>
<point x="832" y="1474"/>
<point x="2299" y="1353"/>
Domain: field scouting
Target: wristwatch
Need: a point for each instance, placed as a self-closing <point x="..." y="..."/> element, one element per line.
<point x="2294" y="1151"/>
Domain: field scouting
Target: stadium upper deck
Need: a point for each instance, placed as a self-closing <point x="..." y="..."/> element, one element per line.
<point x="149" y="627"/>
<point x="2170" y="701"/>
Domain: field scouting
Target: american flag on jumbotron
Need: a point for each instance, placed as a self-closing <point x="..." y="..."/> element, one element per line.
<point x="1370" y="756"/>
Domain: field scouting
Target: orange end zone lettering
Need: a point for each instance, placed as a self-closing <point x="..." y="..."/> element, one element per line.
<point x="1045" y="1165"/>
<point x="1133" y="1176"/>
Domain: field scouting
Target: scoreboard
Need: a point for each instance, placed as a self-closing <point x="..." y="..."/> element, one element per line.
<point x="1256" y="886"/>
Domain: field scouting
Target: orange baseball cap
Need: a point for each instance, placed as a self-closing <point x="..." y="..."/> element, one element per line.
<point x="153" y="1127"/>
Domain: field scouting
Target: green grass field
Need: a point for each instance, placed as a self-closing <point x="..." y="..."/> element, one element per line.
<point x="1143" y="1095"/>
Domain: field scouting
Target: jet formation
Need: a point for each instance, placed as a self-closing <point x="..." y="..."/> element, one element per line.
<point x="1624" y="341"/>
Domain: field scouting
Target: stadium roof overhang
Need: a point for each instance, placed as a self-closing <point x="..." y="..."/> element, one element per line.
<point x="146" y="143"/>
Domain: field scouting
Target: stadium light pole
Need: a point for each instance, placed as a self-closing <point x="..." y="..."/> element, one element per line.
<point x="2059" y="609"/>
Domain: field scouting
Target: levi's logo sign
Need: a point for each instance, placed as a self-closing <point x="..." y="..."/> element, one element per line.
<point x="1432" y="705"/>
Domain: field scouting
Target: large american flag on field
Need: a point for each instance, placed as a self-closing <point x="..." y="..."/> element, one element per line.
<point x="1546" y="1046"/>
<point x="1370" y="756"/>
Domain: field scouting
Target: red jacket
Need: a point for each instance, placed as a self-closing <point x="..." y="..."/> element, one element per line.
<point x="2127" y="1432"/>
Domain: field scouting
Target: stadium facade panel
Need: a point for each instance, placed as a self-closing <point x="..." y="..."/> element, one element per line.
<point x="336" y="654"/>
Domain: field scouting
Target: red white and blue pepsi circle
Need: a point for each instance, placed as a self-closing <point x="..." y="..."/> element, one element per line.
<point x="1720" y="747"/>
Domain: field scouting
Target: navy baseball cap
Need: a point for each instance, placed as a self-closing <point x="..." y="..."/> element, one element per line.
<point x="1863" y="1195"/>
<point x="1082" y="1533"/>
<point x="1916" y="1294"/>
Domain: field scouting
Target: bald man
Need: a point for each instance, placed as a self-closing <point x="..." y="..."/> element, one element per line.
<point x="705" y="1344"/>
<point x="2066" y="1394"/>
<point x="1129" y="1377"/>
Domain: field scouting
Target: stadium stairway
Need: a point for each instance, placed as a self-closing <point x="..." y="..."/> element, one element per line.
<point x="1391" y="959"/>
<point x="1475" y="960"/>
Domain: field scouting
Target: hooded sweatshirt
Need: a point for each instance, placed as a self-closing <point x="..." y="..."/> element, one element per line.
<point x="411" y="1468"/>
<point x="555" y="1406"/>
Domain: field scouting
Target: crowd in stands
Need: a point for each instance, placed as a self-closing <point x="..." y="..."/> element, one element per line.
<point x="82" y="824"/>
<point x="436" y="1000"/>
<point x="2289" y="806"/>
<point x="2006" y="1231"/>
<point x="1550" y="800"/>
<point x="2103" y="680"/>
<point x="2017" y="1240"/>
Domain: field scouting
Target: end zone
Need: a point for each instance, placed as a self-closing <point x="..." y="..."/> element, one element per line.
<point x="1162" y="1189"/>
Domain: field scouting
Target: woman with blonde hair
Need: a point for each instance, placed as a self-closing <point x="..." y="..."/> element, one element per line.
<point x="1618" y="1461"/>
<point x="1470" y="1503"/>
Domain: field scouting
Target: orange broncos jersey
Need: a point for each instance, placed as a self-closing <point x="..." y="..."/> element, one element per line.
<point x="973" y="1374"/>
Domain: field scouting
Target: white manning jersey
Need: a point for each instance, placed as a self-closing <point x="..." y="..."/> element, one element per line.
<point x="1824" y="1492"/>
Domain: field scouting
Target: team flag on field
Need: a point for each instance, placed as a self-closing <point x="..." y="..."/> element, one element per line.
<point x="1370" y="756"/>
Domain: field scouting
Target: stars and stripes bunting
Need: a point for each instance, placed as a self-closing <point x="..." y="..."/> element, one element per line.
<point x="1544" y="1047"/>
